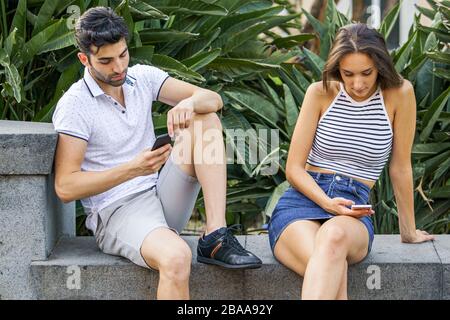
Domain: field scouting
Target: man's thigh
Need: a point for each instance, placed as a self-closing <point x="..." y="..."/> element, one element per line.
<point x="123" y="228"/>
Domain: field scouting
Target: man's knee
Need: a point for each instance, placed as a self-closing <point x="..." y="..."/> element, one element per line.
<point x="208" y="120"/>
<point x="175" y="264"/>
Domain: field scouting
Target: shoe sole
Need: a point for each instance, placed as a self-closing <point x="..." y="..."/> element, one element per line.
<point x="228" y="266"/>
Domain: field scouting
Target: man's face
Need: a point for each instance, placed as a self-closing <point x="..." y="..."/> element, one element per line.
<point x="109" y="64"/>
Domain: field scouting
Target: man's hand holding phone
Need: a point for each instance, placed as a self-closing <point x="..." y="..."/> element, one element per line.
<point x="151" y="160"/>
<point x="340" y="206"/>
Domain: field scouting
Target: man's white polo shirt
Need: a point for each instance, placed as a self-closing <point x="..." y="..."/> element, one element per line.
<point x="115" y="134"/>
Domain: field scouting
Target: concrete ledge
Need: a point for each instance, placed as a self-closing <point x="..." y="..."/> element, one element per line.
<point x="26" y="147"/>
<point x="405" y="272"/>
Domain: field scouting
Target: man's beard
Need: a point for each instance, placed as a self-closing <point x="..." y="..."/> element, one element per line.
<point x="108" y="80"/>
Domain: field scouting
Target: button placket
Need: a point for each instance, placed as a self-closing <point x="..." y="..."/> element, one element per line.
<point x="116" y="105"/>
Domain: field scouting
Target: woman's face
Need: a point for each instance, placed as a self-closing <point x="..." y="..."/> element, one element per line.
<point x="359" y="74"/>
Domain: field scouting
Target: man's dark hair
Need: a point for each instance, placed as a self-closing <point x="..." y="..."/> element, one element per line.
<point x="99" y="26"/>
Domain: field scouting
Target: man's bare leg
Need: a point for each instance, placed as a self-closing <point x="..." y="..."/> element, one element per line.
<point x="207" y="163"/>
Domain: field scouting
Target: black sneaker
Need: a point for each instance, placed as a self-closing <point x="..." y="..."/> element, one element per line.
<point x="225" y="250"/>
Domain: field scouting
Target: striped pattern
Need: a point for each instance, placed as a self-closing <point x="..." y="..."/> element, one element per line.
<point x="353" y="138"/>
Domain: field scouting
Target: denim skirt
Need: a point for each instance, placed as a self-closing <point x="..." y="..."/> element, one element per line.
<point x="294" y="206"/>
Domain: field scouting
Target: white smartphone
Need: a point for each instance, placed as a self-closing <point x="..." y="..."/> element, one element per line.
<point x="361" y="206"/>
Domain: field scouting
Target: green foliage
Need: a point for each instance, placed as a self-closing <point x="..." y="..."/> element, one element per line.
<point x="230" y="47"/>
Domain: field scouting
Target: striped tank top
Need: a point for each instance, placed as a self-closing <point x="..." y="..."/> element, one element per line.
<point x="353" y="138"/>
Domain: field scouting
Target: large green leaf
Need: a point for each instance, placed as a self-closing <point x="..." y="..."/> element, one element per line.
<point x="232" y="20"/>
<point x="275" y="197"/>
<point x="142" y="54"/>
<point x="388" y="23"/>
<point x="13" y="80"/>
<point x="44" y="15"/>
<point x="271" y="22"/>
<point x="255" y="103"/>
<point x="20" y="19"/>
<point x="36" y="43"/>
<point x="291" y="110"/>
<point x="426" y="12"/>
<point x="240" y="37"/>
<point x="443" y="192"/>
<point x="316" y="24"/>
<point x="123" y="9"/>
<point x="202" y="59"/>
<point x="152" y="36"/>
<point x="239" y="67"/>
<point x="428" y="149"/>
<point x="67" y="78"/>
<point x="62" y="41"/>
<point x="403" y="55"/>
<point x="199" y="45"/>
<point x="271" y="93"/>
<point x="291" y="41"/>
<point x="442" y="73"/>
<point x="442" y="170"/>
<point x="439" y="56"/>
<point x="287" y="76"/>
<point x="193" y="7"/>
<point x="176" y="67"/>
<point x="430" y="118"/>
<point x="443" y="34"/>
<point x="314" y="62"/>
<point x="141" y="10"/>
<point x="10" y="43"/>
<point x="236" y="129"/>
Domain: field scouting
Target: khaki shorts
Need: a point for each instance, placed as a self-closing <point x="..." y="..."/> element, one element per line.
<point x="123" y="225"/>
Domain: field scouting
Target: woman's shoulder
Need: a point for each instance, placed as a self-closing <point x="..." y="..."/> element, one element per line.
<point x="405" y="89"/>
<point x="403" y="93"/>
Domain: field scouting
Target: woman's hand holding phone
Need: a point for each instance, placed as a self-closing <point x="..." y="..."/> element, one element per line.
<point x="340" y="206"/>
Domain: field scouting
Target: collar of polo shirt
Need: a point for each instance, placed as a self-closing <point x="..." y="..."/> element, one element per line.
<point x="94" y="88"/>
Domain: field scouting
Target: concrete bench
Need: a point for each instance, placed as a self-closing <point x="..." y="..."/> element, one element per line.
<point x="40" y="257"/>
<point x="404" y="271"/>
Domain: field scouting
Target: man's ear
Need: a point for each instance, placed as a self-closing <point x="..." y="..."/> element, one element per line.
<point x="83" y="58"/>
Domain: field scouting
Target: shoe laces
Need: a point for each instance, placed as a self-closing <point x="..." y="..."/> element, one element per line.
<point x="231" y="240"/>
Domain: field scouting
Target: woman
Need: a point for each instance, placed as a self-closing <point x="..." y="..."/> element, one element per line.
<point x="361" y="114"/>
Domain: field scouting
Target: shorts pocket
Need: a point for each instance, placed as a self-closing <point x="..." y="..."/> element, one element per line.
<point x="361" y="194"/>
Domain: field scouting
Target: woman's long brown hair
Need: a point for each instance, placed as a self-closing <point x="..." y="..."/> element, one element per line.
<point x="360" y="38"/>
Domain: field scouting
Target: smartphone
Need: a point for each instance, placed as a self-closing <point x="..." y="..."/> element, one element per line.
<point x="361" y="206"/>
<point x="161" y="140"/>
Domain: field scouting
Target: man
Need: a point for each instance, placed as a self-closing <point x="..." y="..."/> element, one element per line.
<point x="103" y="157"/>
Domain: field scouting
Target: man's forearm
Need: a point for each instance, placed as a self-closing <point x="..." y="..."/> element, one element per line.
<point x="206" y="101"/>
<point x="82" y="184"/>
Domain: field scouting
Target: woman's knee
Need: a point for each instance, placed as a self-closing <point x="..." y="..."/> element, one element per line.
<point x="332" y="241"/>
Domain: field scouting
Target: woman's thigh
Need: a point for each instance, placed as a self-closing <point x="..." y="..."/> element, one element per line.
<point x="296" y="244"/>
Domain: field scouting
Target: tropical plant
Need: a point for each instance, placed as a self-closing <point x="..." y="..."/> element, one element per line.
<point x="262" y="73"/>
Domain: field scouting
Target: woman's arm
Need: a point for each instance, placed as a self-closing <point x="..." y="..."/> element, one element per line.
<point x="302" y="140"/>
<point x="400" y="170"/>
